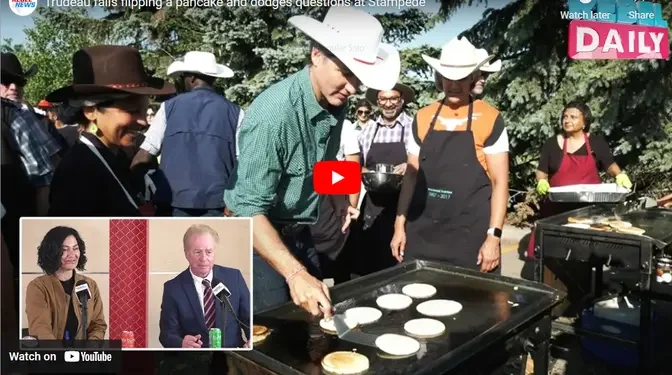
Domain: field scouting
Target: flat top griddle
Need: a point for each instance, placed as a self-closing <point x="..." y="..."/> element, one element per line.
<point x="656" y="221"/>
<point x="297" y="344"/>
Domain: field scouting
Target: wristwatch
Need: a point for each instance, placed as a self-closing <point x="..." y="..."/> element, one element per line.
<point x="495" y="232"/>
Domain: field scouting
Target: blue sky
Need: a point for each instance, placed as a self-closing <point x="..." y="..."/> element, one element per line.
<point x="12" y="26"/>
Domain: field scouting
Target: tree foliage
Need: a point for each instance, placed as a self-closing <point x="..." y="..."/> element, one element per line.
<point x="629" y="99"/>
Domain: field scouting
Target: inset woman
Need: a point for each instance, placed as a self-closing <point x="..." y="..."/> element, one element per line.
<point x="53" y="308"/>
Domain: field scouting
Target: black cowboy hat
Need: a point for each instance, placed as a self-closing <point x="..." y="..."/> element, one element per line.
<point x="11" y="67"/>
<point x="407" y="93"/>
<point x="109" y="69"/>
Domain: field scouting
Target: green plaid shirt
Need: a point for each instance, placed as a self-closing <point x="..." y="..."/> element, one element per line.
<point x="284" y="133"/>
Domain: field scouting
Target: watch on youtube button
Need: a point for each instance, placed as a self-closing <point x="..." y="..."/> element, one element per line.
<point x="337" y="177"/>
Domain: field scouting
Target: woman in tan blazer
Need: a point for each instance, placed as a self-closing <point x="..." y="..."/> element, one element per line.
<point x="52" y="306"/>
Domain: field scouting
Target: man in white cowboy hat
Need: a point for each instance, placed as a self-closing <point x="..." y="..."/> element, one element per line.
<point x="484" y="72"/>
<point x="287" y="129"/>
<point x="455" y="190"/>
<point x="388" y="141"/>
<point x="196" y="132"/>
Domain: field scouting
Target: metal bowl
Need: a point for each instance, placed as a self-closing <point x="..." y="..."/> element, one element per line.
<point x="382" y="181"/>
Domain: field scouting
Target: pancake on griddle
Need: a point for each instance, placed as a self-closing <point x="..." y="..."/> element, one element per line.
<point x="439" y="307"/>
<point x="618" y="224"/>
<point x="631" y="230"/>
<point x="419" y="290"/>
<point x="394" y="301"/>
<point x="424" y="327"/>
<point x="579" y="220"/>
<point x="329" y="327"/>
<point x="345" y="363"/>
<point x="363" y="315"/>
<point x="577" y="225"/>
<point x="397" y="345"/>
<point x="259" y="333"/>
<point x="600" y="227"/>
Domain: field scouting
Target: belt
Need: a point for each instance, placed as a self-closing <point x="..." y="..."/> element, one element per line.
<point x="287" y="230"/>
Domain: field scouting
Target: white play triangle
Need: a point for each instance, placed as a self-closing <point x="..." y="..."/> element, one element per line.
<point x="335" y="177"/>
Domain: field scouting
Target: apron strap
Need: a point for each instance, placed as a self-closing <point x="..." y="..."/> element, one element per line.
<point x="469" y="116"/>
<point x="588" y="148"/>
<point x="100" y="157"/>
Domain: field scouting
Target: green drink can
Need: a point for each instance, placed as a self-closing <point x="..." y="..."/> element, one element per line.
<point x="215" y="338"/>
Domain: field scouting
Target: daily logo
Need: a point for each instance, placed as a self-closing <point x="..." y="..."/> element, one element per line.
<point x="616" y="29"/>
<point x="23" y="7"/>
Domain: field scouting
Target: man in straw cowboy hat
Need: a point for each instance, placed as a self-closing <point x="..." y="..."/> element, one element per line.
<point x="194" y="131"/>
<point x="289" y="127"/>
<point x="455" y="191"/>
<point x="387" y="141"/>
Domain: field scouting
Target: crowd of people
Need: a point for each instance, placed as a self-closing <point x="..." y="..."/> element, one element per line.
<point x="202" y="155"/>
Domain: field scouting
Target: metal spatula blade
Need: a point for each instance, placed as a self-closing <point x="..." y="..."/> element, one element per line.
<point x="339" y="323"/>
<point x="345" y="333"/>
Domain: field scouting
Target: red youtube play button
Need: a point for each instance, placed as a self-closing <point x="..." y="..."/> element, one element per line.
<point x="337" y="177"/>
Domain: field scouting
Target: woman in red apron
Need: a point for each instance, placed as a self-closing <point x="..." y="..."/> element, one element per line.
<point x="573" y="157"/>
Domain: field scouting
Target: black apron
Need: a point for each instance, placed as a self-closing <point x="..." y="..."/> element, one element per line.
<point x="379" y="210"/>
<point x="326" y="232"/>
<point x="450" y="211"/>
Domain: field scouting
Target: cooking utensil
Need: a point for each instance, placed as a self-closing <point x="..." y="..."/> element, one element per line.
<point x="382" y="181"/>
<point x="345" y="333"/>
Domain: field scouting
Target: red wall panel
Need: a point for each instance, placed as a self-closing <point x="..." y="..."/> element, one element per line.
<point x="128" y="279"/>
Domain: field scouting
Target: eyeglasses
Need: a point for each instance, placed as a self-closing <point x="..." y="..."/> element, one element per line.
<point x="393" y="100"/>
<point x="363" y="112"/>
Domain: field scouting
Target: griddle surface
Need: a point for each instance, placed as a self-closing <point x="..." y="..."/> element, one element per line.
<point x="488" y="314"/>
<point x="657" y="222"/>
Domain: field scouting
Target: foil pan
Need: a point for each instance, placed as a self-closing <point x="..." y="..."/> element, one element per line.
<point x="602" y="193"/>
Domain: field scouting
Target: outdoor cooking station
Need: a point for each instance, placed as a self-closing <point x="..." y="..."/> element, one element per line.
<point x="624" y="252"/>
<point x="502" y="318"/>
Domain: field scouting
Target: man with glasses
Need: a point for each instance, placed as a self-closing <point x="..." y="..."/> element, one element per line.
<point x="385" y="142"/>
<point x="483" y="73"/>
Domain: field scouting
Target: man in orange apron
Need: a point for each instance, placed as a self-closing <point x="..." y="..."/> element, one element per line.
<point x="455" y="191"/>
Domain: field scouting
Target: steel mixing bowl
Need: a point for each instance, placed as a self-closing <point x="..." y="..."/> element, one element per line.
<point x="382" y="181"/>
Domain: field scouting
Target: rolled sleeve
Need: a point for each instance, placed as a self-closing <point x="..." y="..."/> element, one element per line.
<point x="259" y="168"/>
<point x="36" y="146"/>
<point x="155" y="133"/>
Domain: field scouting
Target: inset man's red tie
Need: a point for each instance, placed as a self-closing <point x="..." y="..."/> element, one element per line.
<point x="209" y="311"/>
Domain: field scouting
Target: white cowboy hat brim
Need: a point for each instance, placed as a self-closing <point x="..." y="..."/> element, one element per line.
<point x="222" y="71"/>
<point x="380" y="75"/>
<point x="454" y="73"/>
<point x="492" y="68"/>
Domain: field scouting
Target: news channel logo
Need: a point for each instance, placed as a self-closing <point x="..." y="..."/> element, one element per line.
<point x="23" y="7"/>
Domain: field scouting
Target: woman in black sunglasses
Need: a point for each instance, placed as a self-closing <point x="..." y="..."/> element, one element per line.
<point x="363" y="114"/>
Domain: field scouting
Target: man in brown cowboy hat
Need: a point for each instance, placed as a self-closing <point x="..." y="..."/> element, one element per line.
<point x="387" y="141"/>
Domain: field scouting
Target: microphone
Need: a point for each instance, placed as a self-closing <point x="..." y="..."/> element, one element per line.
<point x="83" y="294"/>
<point x="223" y="293"/>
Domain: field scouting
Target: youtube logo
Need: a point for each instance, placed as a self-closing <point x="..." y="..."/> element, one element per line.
<point x="337" y="177"/>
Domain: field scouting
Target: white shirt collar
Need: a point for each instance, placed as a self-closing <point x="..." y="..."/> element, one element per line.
<point x="199" y="280"/>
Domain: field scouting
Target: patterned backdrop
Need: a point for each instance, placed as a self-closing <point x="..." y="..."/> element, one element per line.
<point x="128" y="279"/>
